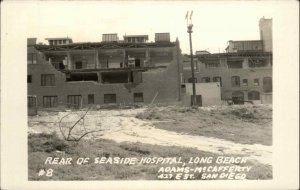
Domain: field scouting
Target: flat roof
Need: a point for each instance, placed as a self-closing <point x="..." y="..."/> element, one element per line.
<point x="63" y="38"/>
<point x="101" y="45"/>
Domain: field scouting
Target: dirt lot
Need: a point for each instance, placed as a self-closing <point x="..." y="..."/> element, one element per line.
<point x="227" y="130"/>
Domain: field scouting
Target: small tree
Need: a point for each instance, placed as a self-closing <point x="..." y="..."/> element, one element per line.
<point x="68" y="134"/>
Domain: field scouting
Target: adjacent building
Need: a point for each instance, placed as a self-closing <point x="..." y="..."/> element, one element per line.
<point x="244" y="72"/>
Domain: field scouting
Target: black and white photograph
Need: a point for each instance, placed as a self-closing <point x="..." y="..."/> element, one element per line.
<point x="151" y="91"/>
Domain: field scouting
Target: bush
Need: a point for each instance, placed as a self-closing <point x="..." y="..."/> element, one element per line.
<point x="46" y="143"/>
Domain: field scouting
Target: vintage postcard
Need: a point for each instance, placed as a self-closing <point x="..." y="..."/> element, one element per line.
<point x="149" y="95"/>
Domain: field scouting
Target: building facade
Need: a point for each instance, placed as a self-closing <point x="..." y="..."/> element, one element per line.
<point x="244" y="71"/>
<point x="79" y="74"/>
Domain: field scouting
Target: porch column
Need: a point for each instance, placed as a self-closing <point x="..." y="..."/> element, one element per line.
<point x="97" y="63"/>
<point x="69" y="61"/>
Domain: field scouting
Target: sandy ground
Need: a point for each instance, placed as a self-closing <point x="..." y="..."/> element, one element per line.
<point x="122" y="126"/>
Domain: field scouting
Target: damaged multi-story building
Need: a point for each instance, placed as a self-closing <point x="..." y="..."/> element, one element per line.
<point x="244" y="72"/>
<point x="132" y="70"/>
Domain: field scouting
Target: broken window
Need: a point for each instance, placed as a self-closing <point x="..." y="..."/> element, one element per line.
<point x="256" y="82"/>
<point x="82" y="77"/>
<point x="205" y="79"/>
<point x="245" y="82"/>
<point x="253" y="95"/>
<point x="115" y="77"/>
<point x="267" y="84"/>
<point x="49" y="101"/>
<point x="74" y="101"/>
<point x="235" y="81"/>
<point x="29" y="78"/>
<point x="138" y="97"/>
<point x="47" y="80"/>
<point x="110" y="98"/>
<point x="235" y="64"/>
<point x="257" y="63"/>
<point x="91" y="99"/>
<point x="217" y="79"/>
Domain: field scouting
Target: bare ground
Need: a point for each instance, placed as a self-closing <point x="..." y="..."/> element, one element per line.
<point x="239" y="130"/>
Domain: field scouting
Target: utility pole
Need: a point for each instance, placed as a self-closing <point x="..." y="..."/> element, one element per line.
<point x="190" y="27"/>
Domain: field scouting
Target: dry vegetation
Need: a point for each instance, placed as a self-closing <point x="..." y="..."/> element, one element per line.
<point x="239" y="124"/>
<point x="42" y="146"/>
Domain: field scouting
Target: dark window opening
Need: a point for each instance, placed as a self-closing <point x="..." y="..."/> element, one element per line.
<point x="238" y="97"/>
<point x="110" y="98"/>
<point x="217" y="79"/>
<point x="137" y="63"/>
<point x="183" y="88"/>
<point x="82" y="77"/>
<point x="253" y="95"/>
<point x="138" y="97"/>
<point x="245" y="82"/>
<point x="257" y="63"/>
<point x="115" y="77"/>
<point x="74" y="101"/>
<point x="267" y="84"/>
<point x="91" y="99"/>
<point x="256" y="82"/>
<point x="49" y="101"/>
<point x="78" y="65"/>
<point x="235" y="81"/>
<point x="190" y="80"/>
<point x="205" y="79"/>
<point x="235" y="64"/>
<point x="48" y="80"/>
<point x="29" y="78"/>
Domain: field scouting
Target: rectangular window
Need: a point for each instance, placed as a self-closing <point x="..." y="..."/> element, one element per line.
<point x="245" y="82"/>
<point x="257" y="63"/>
<point x="235" y="64"/>
<point x="235" y="81"/>
<point x="110" y="98"/>
<point x="74" y="101"/>
<point x="31" y="101"/>
<point x="205" y="79"/>
<point x="217" y="79"/>
<point x="49" y="101"/>
<point x="212" y="65"/>
<point x="138" y="97"/>
<point x="256" y="82"/>
<point x="29" y="78"/>
<point x="48" y="80"/>
<point x="91" y="99"/>
<point x="31" y="58"/>
<point x="190" y="80"/>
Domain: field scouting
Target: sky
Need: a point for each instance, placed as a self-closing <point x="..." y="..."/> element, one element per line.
<point x="215" y="22"/>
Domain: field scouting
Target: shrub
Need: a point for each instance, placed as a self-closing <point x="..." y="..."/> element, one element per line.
<point x="46" y="143"/>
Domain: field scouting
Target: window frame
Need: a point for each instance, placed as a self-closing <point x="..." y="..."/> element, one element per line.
<point x="236" y="80"/>
<point x="44" y="79"/>
<point x="53" y="101"/>
<point x="138" y="93"/>
<point x="105" y="99"/>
